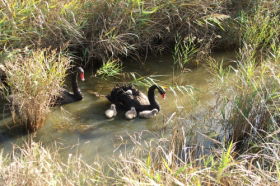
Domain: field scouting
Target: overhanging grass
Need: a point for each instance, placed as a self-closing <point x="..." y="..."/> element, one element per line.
<point x="112" y="28"/>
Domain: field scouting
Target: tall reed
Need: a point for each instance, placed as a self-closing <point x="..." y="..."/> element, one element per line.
<point x="33" y="164"/>
<point x="252" y="96"/>
<point x="35" y="79"/>
<point x="184" y="51"/>
<point x="111" y="68"/>
<point x="106" y="29"/>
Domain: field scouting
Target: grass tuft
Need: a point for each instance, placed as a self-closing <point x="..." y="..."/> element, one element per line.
<point x="35" y="79"/>
<point x="111" y="68"/>
<point x="33" y="164"/>
<point x="184" y="51"/>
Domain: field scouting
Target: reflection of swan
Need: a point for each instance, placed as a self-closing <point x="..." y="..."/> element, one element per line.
<point x="131" y="114"/>
<point x="124" y="100"/>
<point x="111" y="112"/>
<point x="148" y="113"/>
<point x="67" y="97"/>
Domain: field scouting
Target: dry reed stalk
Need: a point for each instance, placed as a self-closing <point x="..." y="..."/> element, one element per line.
<point x="35" y="79"/>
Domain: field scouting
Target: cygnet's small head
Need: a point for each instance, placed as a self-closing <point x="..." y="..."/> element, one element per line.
<point x="129" y="92"/>
<point x="133" y="109"/>
<point x="113" y="107"/>
<point x="154" y="111"/>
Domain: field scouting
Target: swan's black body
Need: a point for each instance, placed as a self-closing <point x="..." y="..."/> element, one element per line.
<point x="140" y="101"/>
<point x="67" y="97"/>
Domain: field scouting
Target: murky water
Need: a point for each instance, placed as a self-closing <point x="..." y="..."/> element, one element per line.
<point x="82" y="127"/>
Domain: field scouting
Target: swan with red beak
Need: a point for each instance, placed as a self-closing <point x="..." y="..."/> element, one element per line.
<point x="70" y="97"/>
<point x="126" y="96"/>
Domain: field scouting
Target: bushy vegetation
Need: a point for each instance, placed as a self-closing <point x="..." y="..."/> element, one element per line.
<point x="255" y="83"/>
<point x="105" y="29"/>
<point x="33" y="164"/>
<point x="34" y="80"/>
<point x="184" y="51"/>
<point x="111" y="68"/>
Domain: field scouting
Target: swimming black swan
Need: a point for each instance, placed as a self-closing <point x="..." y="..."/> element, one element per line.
<point x="124" y="100"/>
<point x="67" y="97"/>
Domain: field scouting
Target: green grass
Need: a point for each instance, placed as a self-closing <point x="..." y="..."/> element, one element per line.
<point x="112" y="68"/>
<point x="254" y="85"/>
<point x="35" y="79"/>
<point x="184" y="51"/>
<point x="246" y="153"/>
<point x="107" y="29"/>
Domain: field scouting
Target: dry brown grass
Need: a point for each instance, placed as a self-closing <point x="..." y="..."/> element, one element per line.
<point x="35" y="79"/>
<point x="33" y="164"/>
<point x="106" y="29"/>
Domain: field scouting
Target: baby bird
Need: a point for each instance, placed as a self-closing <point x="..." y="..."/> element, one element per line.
<point x="131" y="114"/>
<point x="129" y="92"/>
<point x="148" y="113"/>
<point x="111" y="112"/>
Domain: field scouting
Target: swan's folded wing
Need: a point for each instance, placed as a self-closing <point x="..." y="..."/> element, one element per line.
<point x="142" y="99"/>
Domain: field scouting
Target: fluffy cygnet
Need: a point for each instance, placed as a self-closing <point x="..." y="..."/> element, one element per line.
<point x="148" y="113"/>
<point x="129" y="92"/>
<point x="111" y="112"/>
<point x="131" y="114"/>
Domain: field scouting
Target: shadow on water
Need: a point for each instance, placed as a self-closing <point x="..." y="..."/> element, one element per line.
<point x="12" y="133"/>
<point x="9" y="132"/>
<point x="82" y="126"/>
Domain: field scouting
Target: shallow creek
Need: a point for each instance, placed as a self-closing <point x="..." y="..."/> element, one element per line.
<point x="82" y="127"/>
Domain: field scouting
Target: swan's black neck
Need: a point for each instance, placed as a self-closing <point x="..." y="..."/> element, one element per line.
<point x="75" y="88"/>
<point x="151" y="97"/>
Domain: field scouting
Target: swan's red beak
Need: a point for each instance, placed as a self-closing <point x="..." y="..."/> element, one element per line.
<point x="82" y="76"/>
<point x="163" y="96"/>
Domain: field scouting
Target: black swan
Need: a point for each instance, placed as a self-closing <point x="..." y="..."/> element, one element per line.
<point x="124" y="100"/>
<point x="67" y="97"/>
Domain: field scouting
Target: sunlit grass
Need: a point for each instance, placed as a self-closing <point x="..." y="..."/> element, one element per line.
<point x="33" y="164"/>
<point x="184" y="51"/>
<point x="252" y="87"/>
<point x="249" y="109"/>
<point x="143" y="81"/>
<point x="40" y="23"/>
<point x="162" y="160"/>
<point x="35" y="79"/>
<point x="112" y="68"/>
<point x="261" y="29"/>
<point x="107" y="29"/>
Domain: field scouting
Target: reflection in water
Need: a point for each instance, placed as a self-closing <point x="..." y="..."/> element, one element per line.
<point x="82" y="126"/>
